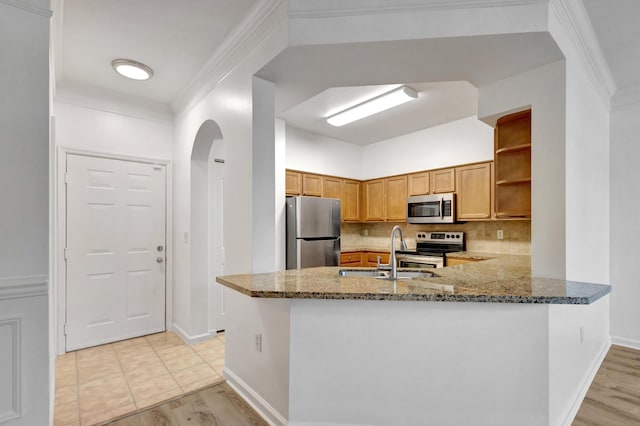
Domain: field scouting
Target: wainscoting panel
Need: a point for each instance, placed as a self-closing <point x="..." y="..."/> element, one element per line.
<point x="10" y="377"/>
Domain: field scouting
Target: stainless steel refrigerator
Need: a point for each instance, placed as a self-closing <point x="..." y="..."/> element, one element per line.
<point x="313" y="232"/>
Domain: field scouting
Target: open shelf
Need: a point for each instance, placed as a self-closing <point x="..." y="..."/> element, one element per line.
<point x="515" y="148"/>
<point x="513" y="181"/>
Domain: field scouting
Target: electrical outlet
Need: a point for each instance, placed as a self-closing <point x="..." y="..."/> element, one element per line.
<point x="500" y="234"/>
<point x="365" y="232"/>
<point x="186" y="237"/>
<point x="258" y="342"/>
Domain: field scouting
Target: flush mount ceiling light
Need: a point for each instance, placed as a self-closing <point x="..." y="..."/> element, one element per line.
<point x="132" y="69"/>
<point x="375" y="105"/>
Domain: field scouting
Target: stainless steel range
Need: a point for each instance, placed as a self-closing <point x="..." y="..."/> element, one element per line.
<point x="431" y="249"/>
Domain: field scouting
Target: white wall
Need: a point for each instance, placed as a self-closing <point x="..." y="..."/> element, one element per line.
<point x="461" y="141"/>
<point x="359" y="362"/>
<point x="90" y="129"/>
<point x="467" y="140"/>
<point x="625" y="226"/>
<point x="320" y="154"/>
<point x="24" y="216"/>
<point x="578" y="342"/>
<point x="543" y="90"/>
<point x="586" y="160"/>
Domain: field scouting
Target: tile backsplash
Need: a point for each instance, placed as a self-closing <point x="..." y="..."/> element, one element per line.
<point x="480" y="236"/>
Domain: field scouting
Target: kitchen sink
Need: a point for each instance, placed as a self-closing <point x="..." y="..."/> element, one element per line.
<point x="375" y="273"/>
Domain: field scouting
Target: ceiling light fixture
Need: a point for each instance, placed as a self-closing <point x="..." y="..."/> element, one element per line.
<point x="132" y="69"/>
<point x="373" y="106"/>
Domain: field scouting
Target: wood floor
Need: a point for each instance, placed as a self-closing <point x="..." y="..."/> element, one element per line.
<point x="613" y="398"/>
<point x="216" y="405"/>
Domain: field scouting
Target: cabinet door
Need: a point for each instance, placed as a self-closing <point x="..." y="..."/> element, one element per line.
<point x="350" y="204"/>
<point x="443" y="181"/>
<point x="311" y="185"/>
<point x="396" y="198"/>
<point x="293" y="183"/>
<point x="474" y="192"/>
<point x="418" y="183"/>
<point x="331" y="187"/>
<point x="374" y="200"/>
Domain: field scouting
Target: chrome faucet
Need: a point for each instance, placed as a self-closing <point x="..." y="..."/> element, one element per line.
<point x="393" y="262"/>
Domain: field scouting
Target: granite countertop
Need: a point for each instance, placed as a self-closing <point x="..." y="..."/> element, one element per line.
<point x="499" y="278"/>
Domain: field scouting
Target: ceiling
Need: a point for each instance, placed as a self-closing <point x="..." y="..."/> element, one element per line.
<point x="178" y="41"/>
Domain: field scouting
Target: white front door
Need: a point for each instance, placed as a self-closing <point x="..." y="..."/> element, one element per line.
<point x="115" y="250"/>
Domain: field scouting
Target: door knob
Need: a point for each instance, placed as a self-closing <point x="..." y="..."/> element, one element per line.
<point x="159" y="259"/>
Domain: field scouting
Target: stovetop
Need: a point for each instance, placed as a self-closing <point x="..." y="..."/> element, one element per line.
<point x="437" y="244"/>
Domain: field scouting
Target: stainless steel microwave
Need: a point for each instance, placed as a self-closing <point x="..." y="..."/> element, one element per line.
<point x="436" y="208"/>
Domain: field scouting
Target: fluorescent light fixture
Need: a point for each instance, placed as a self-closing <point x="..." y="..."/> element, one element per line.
<point x="373" y="106"/>
<point x="132" y="69"/>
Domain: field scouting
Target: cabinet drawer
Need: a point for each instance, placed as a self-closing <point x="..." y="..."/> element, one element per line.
<point x="372" y="257"/>
<point x="351" y="258"/>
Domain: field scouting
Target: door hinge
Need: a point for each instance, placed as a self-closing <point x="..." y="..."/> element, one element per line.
<point x="66" y="250"/>
<point x="66" y="329"/>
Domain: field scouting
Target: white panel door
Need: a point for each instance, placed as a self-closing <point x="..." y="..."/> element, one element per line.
<point x="115" y="250"/>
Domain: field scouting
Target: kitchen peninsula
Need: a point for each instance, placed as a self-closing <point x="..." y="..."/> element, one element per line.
<point x="361" y="350"/>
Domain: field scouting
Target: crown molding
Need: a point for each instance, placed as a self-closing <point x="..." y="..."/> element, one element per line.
<point x="227" y="56"/>
<point x="18" y="287"/>
<point x="576" y="24"/>
<point x="367" y="7"/>
<point x="92" y="97"/>
<point x="46" y="12"/>
<point x="626" y="97"/>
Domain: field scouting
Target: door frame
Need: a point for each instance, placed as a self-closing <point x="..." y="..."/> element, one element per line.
<point x="60" y="231"/>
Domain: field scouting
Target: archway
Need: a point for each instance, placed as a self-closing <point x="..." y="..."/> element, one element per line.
<point x="207" y="250"/>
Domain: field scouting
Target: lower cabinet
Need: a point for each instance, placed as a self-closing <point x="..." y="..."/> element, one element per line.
<point x="351" y="258"/>
<point x="363" y="258"/>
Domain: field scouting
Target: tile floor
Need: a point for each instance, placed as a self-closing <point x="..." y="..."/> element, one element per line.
<point x="97" y="384"/>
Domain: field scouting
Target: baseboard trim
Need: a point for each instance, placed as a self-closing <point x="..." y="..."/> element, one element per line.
<point x="628" y="343"/>
<point x="571" y="412"/>
<point x="188" y="339"/>
<point x="262" y="407"/>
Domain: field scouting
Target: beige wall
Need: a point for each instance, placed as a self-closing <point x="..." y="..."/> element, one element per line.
<point x="480" y="236"/>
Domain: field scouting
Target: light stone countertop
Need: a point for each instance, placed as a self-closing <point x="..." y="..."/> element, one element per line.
<point x="500" y="278"/>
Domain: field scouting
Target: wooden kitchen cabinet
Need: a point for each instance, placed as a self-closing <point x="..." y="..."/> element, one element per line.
<point x="512" y="162"/>
<point x="311" y="185"/>
<point x="350" y="201"/>
<point x="351" y="258"/>
<point x="418" y="184"/>
<point x="371" y="258"/>
<point x="443" y="180"/>
<point x="474" y="192"/>
<point x="396" y="198"/>
<point x="331" y="187"/>
<point x="374" y="200"/>
<point x="293" y="182"/>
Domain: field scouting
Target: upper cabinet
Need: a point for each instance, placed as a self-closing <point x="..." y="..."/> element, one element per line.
<point x="311" y="185"/>
<point x="293" y="183"/>
<point x="443" y="180"/>
<point x="396" y="198"/>
<point x="418" y="184"/>
<point x="385" y="199"/>
<point x="374" y="202"/>
<point x="474" y="192"/>
<point x="513" y="166"/>
<point x="331" y="187"/>
<point x="350" y="200"/>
